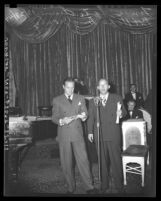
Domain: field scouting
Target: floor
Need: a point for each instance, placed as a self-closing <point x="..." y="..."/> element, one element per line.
<point x="41" y="174"/>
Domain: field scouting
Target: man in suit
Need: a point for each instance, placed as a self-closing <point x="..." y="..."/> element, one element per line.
<point x="133" y="112"/>
<point x="134" y="95"/>
<point x="68" y="111"/>
<point x="110" y="134"/>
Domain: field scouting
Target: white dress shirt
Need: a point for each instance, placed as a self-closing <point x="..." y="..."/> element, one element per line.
<point x="104" y="98"/>
<point x="131" y="113"/>
<point x="71" y="96"/>
<point x="133" y="95"/>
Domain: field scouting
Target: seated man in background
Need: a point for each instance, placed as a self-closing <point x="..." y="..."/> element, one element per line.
<point x="80" y="87"/>
<point x="132" y="111"/>
<point x="134" y="95"/>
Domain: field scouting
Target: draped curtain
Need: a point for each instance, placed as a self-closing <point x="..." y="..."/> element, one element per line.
<point x="100" y="51"/>
<point x="38" y="24"/>
<point x="12" y="88"/>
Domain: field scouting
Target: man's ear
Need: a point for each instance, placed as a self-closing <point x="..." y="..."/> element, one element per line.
<point x="63" y="86"/>
<point x="109" y="86"/>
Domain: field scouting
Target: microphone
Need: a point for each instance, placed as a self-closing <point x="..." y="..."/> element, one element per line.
<point x="97" y="100"/>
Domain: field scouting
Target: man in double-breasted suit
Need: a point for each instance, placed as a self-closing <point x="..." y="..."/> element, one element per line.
<point x="68" y="111"/>
<point x="110" y="134"/>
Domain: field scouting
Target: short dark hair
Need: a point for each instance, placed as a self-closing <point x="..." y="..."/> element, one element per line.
<point x="68" y="79"/>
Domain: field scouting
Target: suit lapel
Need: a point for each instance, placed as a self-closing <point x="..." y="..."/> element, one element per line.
<point x="74" y="100"/>
<point x="131" y="96"/>
<point x="65" y="100"/>
<point x="71" y="106"/>
<point x="108" y="100"/>
<point x="137" y="96"/>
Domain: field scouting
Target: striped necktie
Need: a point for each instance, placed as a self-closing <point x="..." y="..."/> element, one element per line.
<point x="104" y="102"/>
<point x="69" y="99"/>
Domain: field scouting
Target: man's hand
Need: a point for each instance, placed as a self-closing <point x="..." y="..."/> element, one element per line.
<point x="82" y="116"/>
<point x="119" y="113"/>
<point x="66" y="120"/>
<point x="90" y="137"/>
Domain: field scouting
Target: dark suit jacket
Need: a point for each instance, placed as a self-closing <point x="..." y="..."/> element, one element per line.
<point x="148" y="102"/>
<point x="137" y="114"/>
<point x="109" y="129"/>
<point x="139" y="99"/>
<point x="62" y="108"/>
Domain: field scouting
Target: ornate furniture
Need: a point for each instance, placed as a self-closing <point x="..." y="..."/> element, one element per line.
<point x="135" y="148"/>
<point x="20" y="140"/>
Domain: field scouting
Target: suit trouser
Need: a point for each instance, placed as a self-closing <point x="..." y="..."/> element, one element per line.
<point x="66" y="157"/>
<point x="110" y="155"/>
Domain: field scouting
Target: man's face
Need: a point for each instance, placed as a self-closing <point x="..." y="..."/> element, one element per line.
<point x="131" y="106"/>
<point x="133" y="88"/>
<point x="68" y="88"/>
<point x="103" y="86"/>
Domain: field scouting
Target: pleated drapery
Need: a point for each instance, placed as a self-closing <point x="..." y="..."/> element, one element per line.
<point x="37" y="25"/>
<point x="40" y="68"/>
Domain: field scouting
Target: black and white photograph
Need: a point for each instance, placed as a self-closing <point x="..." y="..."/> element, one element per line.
<point x="80" y="100"/>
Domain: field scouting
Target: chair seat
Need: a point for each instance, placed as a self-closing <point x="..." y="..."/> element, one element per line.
<point x="136" y="150"/>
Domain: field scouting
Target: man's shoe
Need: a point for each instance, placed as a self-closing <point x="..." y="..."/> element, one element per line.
<point x="92" y="191"/>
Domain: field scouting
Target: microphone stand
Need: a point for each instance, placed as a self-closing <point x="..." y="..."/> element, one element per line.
<point x="98" y="138"/>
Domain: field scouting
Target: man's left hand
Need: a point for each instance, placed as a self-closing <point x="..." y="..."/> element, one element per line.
<point x="82" y="116"/>
<point x="119" y="113"/>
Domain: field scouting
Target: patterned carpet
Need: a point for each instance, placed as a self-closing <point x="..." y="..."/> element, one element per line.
<point x="41" y="174"/>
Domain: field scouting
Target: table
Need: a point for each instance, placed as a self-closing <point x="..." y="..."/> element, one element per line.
<point x="43" y="128"/>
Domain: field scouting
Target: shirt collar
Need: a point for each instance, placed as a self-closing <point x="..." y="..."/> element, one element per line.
<point x="71" y="97"/>
<point x="104" y="96"/>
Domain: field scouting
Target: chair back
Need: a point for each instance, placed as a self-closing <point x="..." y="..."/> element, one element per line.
<point x="45" y="111"/>
<point x="134" y="132"/>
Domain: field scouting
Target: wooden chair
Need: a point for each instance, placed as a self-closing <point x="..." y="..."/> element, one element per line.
<point x="135" y="149"/>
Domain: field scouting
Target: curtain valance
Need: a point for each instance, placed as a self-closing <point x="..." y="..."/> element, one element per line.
<point x="39" y="24"/>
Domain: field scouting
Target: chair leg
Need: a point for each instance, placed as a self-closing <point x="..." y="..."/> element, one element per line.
<point x="142" y="173"/>
<point x="124" y="172"/>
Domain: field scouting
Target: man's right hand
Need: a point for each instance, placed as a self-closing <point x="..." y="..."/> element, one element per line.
<point x="90" y="137"/>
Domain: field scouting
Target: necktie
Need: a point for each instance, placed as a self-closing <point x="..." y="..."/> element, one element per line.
<point x="69" y="99"/>
<point x="104" y="102"/>
<point x="130" y="114"/>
